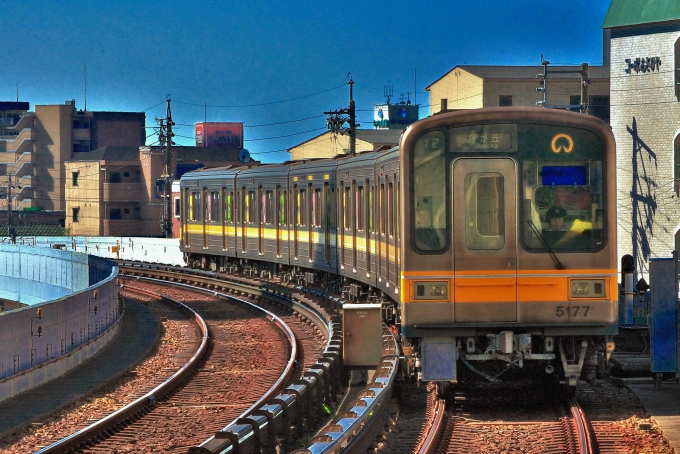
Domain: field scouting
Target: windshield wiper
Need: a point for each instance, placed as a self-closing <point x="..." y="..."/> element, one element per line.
<point x="558" y="264"/>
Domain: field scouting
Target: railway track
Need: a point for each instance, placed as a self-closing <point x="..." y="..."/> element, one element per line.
<point x="299" y="404"/>
<point x="599" y="419"/>
<point x="154" y="419"/>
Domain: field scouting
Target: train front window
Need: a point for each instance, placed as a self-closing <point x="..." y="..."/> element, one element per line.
<point x="562" y="186"/>
<point x="484" y="211"/>
<point x="429" y="193"/>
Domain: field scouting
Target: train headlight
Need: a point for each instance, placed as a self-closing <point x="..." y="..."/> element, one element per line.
<point x="587" y="288"/>
<point x="431" y="290"/>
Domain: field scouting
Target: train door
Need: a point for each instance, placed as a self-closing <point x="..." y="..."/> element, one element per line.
<point x="484" y="240"/>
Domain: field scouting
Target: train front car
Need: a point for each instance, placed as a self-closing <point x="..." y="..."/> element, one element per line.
<point x="509" y="247"/>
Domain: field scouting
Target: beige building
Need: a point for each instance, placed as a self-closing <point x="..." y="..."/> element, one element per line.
<point x="330" y="144"/>
<point x="37" y="145"/>
<point x="642" y="48"/>
<point x="474" y="87"/>
<point x="119" y="191"/>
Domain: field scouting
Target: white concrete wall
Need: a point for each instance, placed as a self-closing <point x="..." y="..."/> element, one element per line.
<point x="46" y="339"/>
<point x="645" y="118"/>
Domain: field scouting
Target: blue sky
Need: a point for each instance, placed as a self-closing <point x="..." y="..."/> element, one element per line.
<point x="276" y="66"/>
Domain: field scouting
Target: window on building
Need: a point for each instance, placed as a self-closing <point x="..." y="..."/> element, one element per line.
<point x="677" y="70"/>
<point x="504" y="100"/>
<point x="126" y="211"/>
<point x="126" y="174"/>
<point x="444" y="104"/>
<point x="177" y="207"/>
<point x="74" y="175"/>
<point x="114" y="177"/>
<point x="137" y="214"/>
<point x="676" y="163"/>
<point x="76" y="214"/>
<point x="599" y="107"/>
<point x="115" y="213"/>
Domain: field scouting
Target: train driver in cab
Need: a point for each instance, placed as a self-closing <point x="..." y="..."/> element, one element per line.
<point x="555" y="217"/>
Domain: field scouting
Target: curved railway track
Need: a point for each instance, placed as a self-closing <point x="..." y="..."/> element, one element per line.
<point x="153" y="420"/>
<point x="299" y="402"/>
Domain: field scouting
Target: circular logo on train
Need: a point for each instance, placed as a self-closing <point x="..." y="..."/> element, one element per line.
<point x="562" y="142"/>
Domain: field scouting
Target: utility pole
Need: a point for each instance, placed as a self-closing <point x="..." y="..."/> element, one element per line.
<point x="352" y="121"/>
<point x="167" y="217"/>
<point x="585" y="105"/>
<point x="165" y="142"/>
<point x="544" y="82"/>
<point x="337" y="118"/>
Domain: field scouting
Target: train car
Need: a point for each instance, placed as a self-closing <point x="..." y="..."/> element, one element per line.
<point x="488" y="235"/>
<point x="508" y="241"/>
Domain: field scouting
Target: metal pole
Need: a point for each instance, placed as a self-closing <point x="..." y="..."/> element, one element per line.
<point x="585" y="105"/>
<point x="352" y="122"/>
<point x="168" y="166"/>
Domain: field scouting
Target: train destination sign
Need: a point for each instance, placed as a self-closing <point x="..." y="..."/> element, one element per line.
<point x="484" y="138"/>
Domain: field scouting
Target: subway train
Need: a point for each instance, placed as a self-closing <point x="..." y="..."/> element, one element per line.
<point x="488" y="236"/>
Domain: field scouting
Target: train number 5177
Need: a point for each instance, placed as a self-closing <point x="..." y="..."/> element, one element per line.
<point x="572" y="311"/>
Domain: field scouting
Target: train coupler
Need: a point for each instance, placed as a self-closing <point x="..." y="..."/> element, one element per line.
<point x="572" y="372"/>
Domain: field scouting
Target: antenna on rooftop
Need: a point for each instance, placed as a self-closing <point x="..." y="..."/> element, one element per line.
<point x="85" y="86"/>
<point x="388" y="92"/>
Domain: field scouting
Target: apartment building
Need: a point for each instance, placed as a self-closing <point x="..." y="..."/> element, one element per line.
<point x="119" y="191"/>
<point x="35" y="146"/>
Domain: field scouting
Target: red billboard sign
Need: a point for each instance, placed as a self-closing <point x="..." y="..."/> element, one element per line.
<point x="219" y="134"/>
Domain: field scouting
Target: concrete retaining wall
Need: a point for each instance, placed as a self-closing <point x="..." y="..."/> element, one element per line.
<point x="74" y="312"/>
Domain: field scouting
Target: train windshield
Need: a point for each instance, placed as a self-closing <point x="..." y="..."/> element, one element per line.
<point x="429" y="192"/>
<point x="562" y="189"/>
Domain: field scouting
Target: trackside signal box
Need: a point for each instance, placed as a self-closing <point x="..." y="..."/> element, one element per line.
<point x="362" y="331"/>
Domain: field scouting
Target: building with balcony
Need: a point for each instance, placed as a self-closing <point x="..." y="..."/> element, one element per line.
<point x="35" y="147"/>
<point x="10" y="113"/>
<point x="119" y="191"/>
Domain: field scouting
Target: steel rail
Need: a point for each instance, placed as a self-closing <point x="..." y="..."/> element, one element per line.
<point x="584" y="440"/>
<point x="427" y="445"/>
<point x="147" y="401"/>
<point x="144" y="402"/>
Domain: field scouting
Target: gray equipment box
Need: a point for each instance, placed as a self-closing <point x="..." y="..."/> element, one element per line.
<point x="362" y="331"/>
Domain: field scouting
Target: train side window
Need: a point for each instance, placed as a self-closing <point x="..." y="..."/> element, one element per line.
<point x="381" y="208"/>
<point x="269" y="200"/>
<point x="301" y="207"/>
<point x="282" y="208"/>
<point x="484" y="211"/>
<point x="359" y="208"/>
<point x="370" y="207"/>
<point x="195" y="206"/>
<point x="229" y="207"/>
<point x="430" y="217"/>
<point x="212" y="207"/>
<point x="316" y="208"/>
<point x="252" y="195"/>
<point x="347" y="203"/>
<point x="390" y="209"/>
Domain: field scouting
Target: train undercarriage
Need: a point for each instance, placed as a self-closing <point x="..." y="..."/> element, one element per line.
<point x="494" y="356"/>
